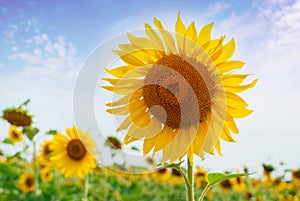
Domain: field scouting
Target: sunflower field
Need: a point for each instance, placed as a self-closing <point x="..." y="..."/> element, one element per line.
<point x="37" y="175"/>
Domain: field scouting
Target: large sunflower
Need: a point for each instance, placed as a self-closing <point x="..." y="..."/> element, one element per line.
<point x="15" y="135"/>
<point x="73" y="154"/>
<point x="178" y="92"/>
<point x="26" y="182"/>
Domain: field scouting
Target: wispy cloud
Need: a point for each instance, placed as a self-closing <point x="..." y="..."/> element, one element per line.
<point x="217" y="8"/>
<point x="53" y="58"/>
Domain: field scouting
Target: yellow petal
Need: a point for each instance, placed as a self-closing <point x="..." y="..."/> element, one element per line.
<point x="168" y="39"/>
<point x="227" y="52"/>
<point x="225" y="135"/>
<point x="239" y="113"/>
<point x="154" y="38"/>
<point x="129" y="58"/>
<point x="235" y="101"/>
<point x="180" y="31"/>
<point x="125" y="124"/>
<point x="126" y="99"/>
<point x="190" y="38"/>
<point x="230" y="123"/>
<point x="204" y="34"/>
<point x="120" y="71"/>
<point x="233" y="79"/>
<point x="229" y="65"/>
<point x="118" y="111"/>
<point x="218" y="148"/>
<point x="237" y="89"/>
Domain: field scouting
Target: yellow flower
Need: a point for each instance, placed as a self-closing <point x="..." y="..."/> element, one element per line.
<point x="238" y="184"/>
<point x="178" y="94"/>
<point x="26" y="182"/>
<point x="201" y="177"/>
<point x="74" y="154"/>
<point x="45" y="152"/>
<point x="15" y="135"/>
<point x="46" y="175"/>
<point x="226" y="186"/>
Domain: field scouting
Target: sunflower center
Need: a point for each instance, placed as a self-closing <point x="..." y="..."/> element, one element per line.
<point x="47" y="151"/>
<point x="76" y="149"/>
<point x="29" y="182"/>
<point x="15" y="135"/>
<point x="182" y="87"/>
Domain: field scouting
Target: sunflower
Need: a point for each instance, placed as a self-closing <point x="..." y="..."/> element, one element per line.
<point x="178" y="93"/>
<point x="296" y="176"/>
<point x="238" y="184"/>
<point x="201" y="177"/>
<point x="15" y="135"/>
<point x="45" y="153"/>
<point x="26" y="182"/>
<point x="17" y="116"/>
<point x="46" y="175"/>
<point x="113" y="142"/>
<point x="73" y="154"/>
<point x="226" y="186"/>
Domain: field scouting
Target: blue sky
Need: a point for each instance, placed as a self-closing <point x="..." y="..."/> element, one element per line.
<point x="44" y="43"/>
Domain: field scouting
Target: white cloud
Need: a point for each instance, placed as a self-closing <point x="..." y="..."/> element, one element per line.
<point x="1" y="65"/>
<point x="54" y="58"/>
<point x="217" y="8"/>
<point x="14" y="48"/>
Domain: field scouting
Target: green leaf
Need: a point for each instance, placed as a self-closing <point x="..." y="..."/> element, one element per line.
<point x="214" y="178"/>
<point x="30" y="132"/>
<point x="135" y="148"/>
<point x="7" y="141"/>
<point x="51" y="132"/>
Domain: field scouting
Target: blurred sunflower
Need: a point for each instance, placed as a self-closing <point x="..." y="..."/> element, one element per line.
<point x="15" y="135"/>
<point x="226" y="186"/>
<point x="113" y="142"/>
<point x="17" y="116"/>
<point x="26" y="182"/>
<point x="45" y="152"/>
<point x="46" y="175"/>
<point x="296" y="176"/>
<point x="73" y="154"/>
<point x="179" y="94"/>
<point x="238" y="184"/>
<point x="201" y="177"/>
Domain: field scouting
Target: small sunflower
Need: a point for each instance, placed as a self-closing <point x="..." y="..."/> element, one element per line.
<point x="201" y="177"/>
<point x="296" y="176"/>
<point x="15" y="135"/>
<point x="45" y="152"/>
<point x="26" y="182"/>
<point x="226" y="186"/>
<point x="73" y="154"/>
<point x="113" y="143"/>
<point x="179" y="94"/>
<point x="46" y="175"/>
<point x="238" y="184"/>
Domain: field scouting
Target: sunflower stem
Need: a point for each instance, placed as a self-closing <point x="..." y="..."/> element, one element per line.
<point x="190" y="183"/>
<point x="204" y="192"/>
<point x="86" y="188"/>
<point x="36" y="170"/>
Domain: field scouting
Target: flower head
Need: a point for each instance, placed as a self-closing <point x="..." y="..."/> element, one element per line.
<point x="15" y="135"/>
<point x="26" y="182"/>
<point x="179" y="94"/>
<point x="73" y="154"/>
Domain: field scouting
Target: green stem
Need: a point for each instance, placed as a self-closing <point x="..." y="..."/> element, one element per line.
<point x="204" y="192"/>
<point x="86" y="188"/>
<point x="36" y="171"/>
<point x="190" y="177"/>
